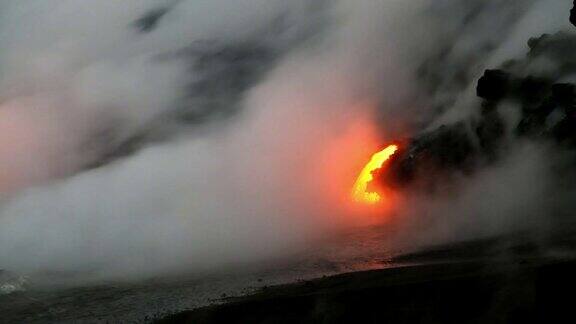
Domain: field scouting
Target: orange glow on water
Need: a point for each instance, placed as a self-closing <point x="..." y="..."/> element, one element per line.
<point x="360" y="191"/>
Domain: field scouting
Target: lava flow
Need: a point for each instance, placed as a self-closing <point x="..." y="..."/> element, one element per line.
<point x="359" y="192"/>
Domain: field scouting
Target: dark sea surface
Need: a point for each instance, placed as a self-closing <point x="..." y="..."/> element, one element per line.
<point x="67" y="298"/>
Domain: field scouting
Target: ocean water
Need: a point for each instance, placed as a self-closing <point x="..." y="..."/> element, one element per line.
<point x="64" y="298"/>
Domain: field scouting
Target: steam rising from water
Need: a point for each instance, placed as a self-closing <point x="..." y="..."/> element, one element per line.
<point x="224" y="131"/>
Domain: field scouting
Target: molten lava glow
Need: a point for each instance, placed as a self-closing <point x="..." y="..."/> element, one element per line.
<point x="359" y="192"/>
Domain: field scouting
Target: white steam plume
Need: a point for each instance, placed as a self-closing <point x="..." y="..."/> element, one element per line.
<point x="257" y="187"/>
<point x="265" y="183"/>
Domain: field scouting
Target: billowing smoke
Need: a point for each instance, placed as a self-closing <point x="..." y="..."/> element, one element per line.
<point x="148" y="136"/>
<point x="142" y="137"/>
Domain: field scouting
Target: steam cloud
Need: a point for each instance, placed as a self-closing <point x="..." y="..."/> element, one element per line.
<point x="140" y="137"/>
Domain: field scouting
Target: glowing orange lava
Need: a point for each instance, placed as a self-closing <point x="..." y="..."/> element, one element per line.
<point x="359" y="192"/>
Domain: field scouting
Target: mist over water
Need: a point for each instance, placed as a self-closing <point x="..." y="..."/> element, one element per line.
<point x="140" y="138"/>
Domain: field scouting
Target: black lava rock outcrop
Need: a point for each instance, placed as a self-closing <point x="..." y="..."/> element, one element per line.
<point x="432" y="155"/>
<point x="573" y="14"/>
<point x="546" y="105"/>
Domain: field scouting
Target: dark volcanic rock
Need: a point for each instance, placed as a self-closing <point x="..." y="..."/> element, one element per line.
<point x="558" y="49"/>
<point x="490" y="130"/>
<point x="573" y="14"/>
<point x="432" y="154"/>
<point x="547" y="112"/>
<point x="493" y="85"/>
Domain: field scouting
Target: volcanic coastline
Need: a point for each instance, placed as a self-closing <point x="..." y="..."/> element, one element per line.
<point x="498" y="280"/>
<point x="471" y="282"/>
